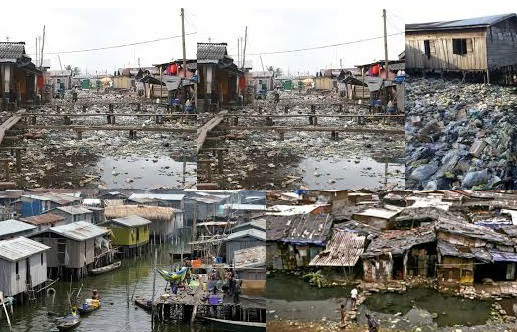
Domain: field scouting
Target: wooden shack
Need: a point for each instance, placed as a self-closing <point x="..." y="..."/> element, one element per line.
<point x="485" y="44"/>
<point x="75" y="248"/>
<point x="164" y="220"/>
<point x="73" y="213"/>
<point x="129" y="232"/>
<point x="23" y="266"/>
<point x="12" y="228"/>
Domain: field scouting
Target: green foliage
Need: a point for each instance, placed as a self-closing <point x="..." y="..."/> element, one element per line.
<point x="315" y="278"/>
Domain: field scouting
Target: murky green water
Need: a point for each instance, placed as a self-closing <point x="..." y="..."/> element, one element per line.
<point x="289" y="297"/>
<point x="442" y="309"/>
<point x="115" y="314"/>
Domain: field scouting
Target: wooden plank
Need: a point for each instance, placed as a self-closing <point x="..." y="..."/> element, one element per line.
<point x="8" y="124"/>
<point x="112" y="128"/>
<point x="105" y="114"/>
<point x="202" y="132"/>
<point x="325" y="129"/>
<point x="314" y="115"/>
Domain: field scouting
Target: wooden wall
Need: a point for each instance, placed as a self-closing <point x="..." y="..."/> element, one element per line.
<point x="502" y="44"/>
<point x="442" y="56"/>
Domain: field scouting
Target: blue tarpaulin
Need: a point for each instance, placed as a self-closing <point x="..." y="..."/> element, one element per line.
<point x="503" y="256"/>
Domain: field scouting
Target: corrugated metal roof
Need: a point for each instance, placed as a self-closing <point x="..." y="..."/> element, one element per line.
<point x="379" y="213"/>
<point x="79" y="231"/>
<point x="131" y="221"/>
<point x="10" y="51"/>
<point x="503" y="256"/>
<point x="258" y="223"/>
<point x="59" y="73"/>
<point x="46" y="218"/>
<point x="343" y="249"/>
<point x="74" y="209"/>
<point x="12" y="226"/>
<point x="484" y="21"/>
<point x="301" y="228"/>
<point x="211" y="51"/>
<point x="53" y="197"/>
<point x="261" y="235"/>
<point x="289" y="210"/>
<point x="19" y="248"/>
<point x="162" y="197"/>
<point x="257" y="74"/>
<point x="250" y="257"/>
<point x="246" y="207"/>
<point x="396" y="242"/>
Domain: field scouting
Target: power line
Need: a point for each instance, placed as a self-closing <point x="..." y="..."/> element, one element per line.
<point x="122" y="45"/>
<point x="326" y="46"/>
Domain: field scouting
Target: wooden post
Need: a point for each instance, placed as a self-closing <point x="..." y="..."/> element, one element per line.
<point x="208" y="171"/>
<point x="18" y="153"/>
<point x="109" y="119"/>
<point x="340" y="108"/>
<point x="315" y="120"/>
<point x="281" y="135"/>
<point x="6" y="169"/>
<point x="220" y="160"/>
<point x="138" y="107"/>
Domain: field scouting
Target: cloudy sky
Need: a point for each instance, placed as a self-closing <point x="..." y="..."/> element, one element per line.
<point x="269" y="30"/>
<point x="78" y="29"/>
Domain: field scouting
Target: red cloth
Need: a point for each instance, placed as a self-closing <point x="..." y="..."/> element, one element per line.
<point x="374" y="70"/>
<point x="242" y="82"/>
<point x="173" y="69"/>
<point x="39" y="82"/>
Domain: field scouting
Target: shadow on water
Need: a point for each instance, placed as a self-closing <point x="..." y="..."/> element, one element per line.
<point x="139" y="172"/>
<point x="115" y="314"/>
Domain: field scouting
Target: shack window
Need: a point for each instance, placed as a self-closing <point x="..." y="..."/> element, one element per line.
<point x="41" y="258"/>
<point x="17" y="268"/>
<point x="427" y="48"/>
<point x="459" y="46"/>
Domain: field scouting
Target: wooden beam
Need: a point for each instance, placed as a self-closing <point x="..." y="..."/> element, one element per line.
<point x="324" y="129"/>
<point x="105" y="114"/>
<point x="113" y="128"/>
<point x="202" y="132"/>
<point x="8" y="124"/>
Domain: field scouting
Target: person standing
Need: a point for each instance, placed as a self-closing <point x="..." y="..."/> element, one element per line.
<point x="353" y="297"/>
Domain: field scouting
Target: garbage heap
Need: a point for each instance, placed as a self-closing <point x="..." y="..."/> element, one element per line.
<point x="460" y="135"/>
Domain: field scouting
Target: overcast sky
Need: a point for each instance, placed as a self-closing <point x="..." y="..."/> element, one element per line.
<point x="269" y="30"/>
<point x="77" y="29"/>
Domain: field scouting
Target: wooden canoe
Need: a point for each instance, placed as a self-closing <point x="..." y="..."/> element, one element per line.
<point x="106" y="268"/>
<point x="237" y="325"/>
<point x="69" y="322"/>
<point x="143" y="303"/>
<point x="86" y="309"/>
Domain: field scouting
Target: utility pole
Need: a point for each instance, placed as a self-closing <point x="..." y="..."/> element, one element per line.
<point x="42" y="47"/>
<point x="244" y="51"/>
<point x="139" y="62"/>
<point x="238" y="52"/>
<point x="59" y="58"/>
<point x="183" y="42"/>
<point x="385" y="43"/>
<point x="36" y="57"/>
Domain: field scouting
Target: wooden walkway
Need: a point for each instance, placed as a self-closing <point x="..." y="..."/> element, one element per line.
<point x="202" y="132"/>
<point x="8" y="124"/>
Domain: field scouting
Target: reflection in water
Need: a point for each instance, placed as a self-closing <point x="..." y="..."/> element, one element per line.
<point x="146" y="172"/>
<point x="134" y="278"/>
<point x="351" y="174"/>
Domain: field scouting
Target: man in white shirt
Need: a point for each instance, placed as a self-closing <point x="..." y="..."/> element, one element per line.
<point x="353" y="297"/>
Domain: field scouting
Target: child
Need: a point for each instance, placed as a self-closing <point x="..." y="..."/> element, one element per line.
<point x="343" y="316"/>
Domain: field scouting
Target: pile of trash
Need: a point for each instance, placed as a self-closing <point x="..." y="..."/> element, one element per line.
<point x="57" y="159"/>
<point x="460" y="135"/>
<point x="258" y="159"/>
